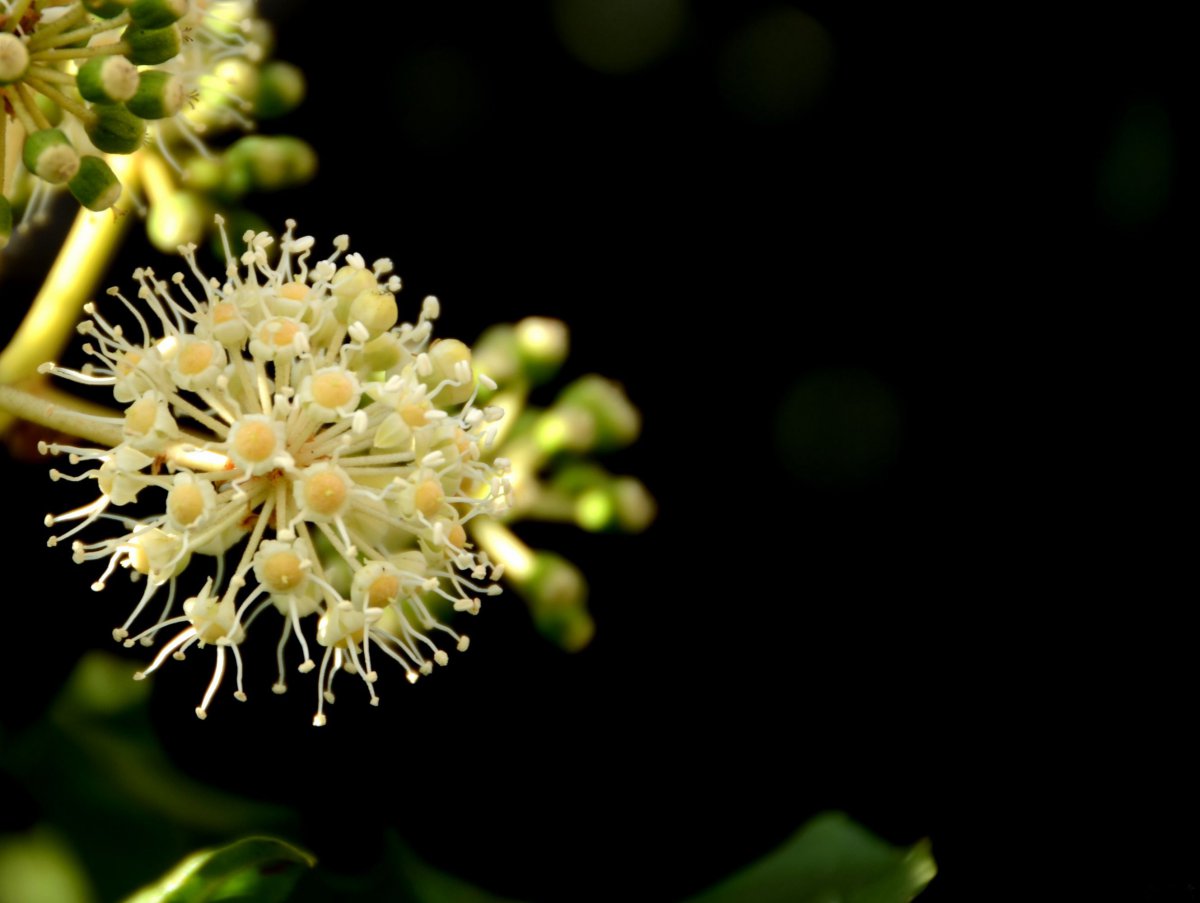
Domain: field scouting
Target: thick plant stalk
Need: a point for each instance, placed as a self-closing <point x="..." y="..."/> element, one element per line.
<point x="72" y="279"/>
<point x="61" y="412"/>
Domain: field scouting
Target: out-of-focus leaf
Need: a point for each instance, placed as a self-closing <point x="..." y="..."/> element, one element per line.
<point x="428" y="885"/>
<point x="96" y="770"/>
<point x="259" y="869"/>
<point x="830" y="860"/>
<point x="39" y="867"/>
<point x="401" y="876"/>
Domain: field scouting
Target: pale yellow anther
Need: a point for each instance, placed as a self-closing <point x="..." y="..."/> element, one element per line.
<point x="325" y="493"/>
<point x="278" y="332"/>
<point x="383" y="591"/>
<point x="194" y="358"/>
<point x="332" y="389"/>
<point x="414" y="414"/>
<point x="428" y="496"/>
<point x="254" y="441"/>
<point x="282" y="572"/>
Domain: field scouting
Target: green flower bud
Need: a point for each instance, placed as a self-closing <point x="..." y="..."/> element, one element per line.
<point x="542" y="343"/>
<point x="157" y="13"/>
<point x="5" y="222"/>
<point x="116" y="130"/>
<point x="107" y="79"/>
<point x="636" y="507"/>
<point x="14" y="58"/>
<point x="179" y="219"/>
<point x="159" y="95"/>
<point x="274" y="162"/>
<point x="49" y="155"/>
<point x="557" y="595"/>
<point x="95" y="185"/>
<point x="106" y="9"/>
<point x="151" y="46"/>
<point x="236" y="178"/>
<point x="614" y="420"/>
<point x="497" y="354"/>
<point x="204" y="173"/>
<point x="280" y="89"/>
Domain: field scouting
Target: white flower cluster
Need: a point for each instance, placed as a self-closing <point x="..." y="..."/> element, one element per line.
<point x="286" y="417"/>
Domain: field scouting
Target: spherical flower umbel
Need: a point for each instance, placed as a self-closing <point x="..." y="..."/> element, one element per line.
<point x="300" y="448"/>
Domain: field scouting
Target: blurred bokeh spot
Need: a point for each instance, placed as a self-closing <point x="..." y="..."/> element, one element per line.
<point x="1136" y="170"/>
<point x="618" y="36"/>
<point x="777" y="66"/>
<point x="39" y="867"/>
<point x="838" y="429"/>
<point x="439" y="96"/>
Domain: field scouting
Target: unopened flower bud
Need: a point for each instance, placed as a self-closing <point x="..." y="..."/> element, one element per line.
<point x="95" y="185"/>
<point x="116" y="130"/>
<point x="14" y="58"/>
<point x="107" y="79"/>
<point x="159" y="95"/>
<point x="49" y="155"/>
<point x="157" y="13"/>
<point x="151" y="46"/>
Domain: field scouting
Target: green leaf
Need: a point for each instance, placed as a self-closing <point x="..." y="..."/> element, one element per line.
<point x="259" y="869"/>
<point x="98" y="774"/>
<point x="830" y="860"/>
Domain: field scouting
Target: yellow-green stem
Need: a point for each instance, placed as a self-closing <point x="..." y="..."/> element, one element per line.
<point x="14" y="17"/>
<point x="81" y="34"/>
<point x="61" y="24"/>
<point x="81" y="112"/>
<point x="503" y="546"/>
<point x="49" y="413"/>
<point x="14" y="98"/>
<point x="30" y="100"/>
<point x="80" y="53"/>
<point x="80" y="263"/>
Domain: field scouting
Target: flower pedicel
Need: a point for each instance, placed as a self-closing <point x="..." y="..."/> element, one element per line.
<point x="284" y="417"/>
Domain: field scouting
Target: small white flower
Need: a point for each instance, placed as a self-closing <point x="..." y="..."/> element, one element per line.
<point x="263" y="417"/>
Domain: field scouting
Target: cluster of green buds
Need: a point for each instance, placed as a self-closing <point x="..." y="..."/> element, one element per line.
<point x="237" y="85"/>
<point x="553" y="474"/>
<point x="88" y="60"/>
<point x="181" y="206"/>
<point x="149" y="78"/>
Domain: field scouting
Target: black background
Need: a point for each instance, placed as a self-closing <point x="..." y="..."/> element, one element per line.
<point x="985" y="643"/>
